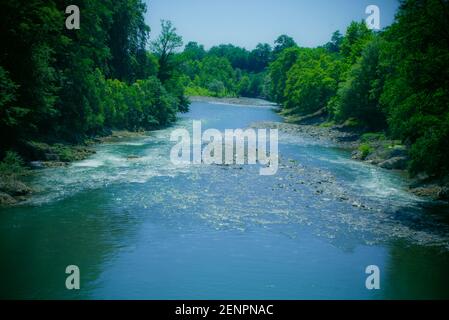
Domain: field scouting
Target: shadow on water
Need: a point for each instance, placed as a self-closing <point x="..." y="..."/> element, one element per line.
<point x="38" y="243"/>
<point x="415" y="272"/>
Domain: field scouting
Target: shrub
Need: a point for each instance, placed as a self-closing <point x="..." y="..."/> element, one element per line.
<point x="12" y="165"/>
<point x="373" y="136"/>
<point x="365" y="149"/>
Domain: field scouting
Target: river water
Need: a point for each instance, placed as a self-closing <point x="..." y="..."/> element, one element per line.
<point x="145" y="228"/>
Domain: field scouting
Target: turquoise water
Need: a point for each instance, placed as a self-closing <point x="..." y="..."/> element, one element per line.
<point x="144" y="228"/>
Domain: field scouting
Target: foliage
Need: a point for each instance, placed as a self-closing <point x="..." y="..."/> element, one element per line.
<point x="358" y="96"/>
<point x="228" y="70"/>
<point x="373" y="136"/>
<point x="12" y="165"/>
<point x="365" y="149"/>
<point x="311" y="82"/>
<point x="164" y="47"/>
<point x="278" y="73"/>
<point x="66" y="85"/>
<point x="395" y="81"/>
<point x="416" y="95"/>
<point x="283" y="42"/>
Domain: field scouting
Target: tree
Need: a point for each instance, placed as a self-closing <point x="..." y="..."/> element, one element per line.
<point x="356" y="37"/>
<point x="283" y="42"/>
<point x="238" y="57"/>
<point x="260" y="57"/>
<point x="278" y="72"/>
<point x="335" y="43"/>
<point x="65" y="85"/>
<point x="11" y="115"/>
<point x="244" y="86"/>
<point x="359" y="95"/>
<point x="415" y="96"/>
<point x="311" y="83"/>
<point x="128" y="38"/>
<point x="164" y="47"/>
<point x="219" y="72"/>
<point x="194" y="51"/>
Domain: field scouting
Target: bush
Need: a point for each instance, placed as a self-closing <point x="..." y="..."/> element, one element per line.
<point x="365" y="149"/>
<point x="12" y="165"/>
<point x="352" y="123"/>
<point x="373" y="136"/>
<point x="327" y="124"/>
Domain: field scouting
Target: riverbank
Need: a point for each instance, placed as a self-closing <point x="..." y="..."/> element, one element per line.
<point x="241" y="101"/>
<point x="371" y="148"/>
<point x="14" y="172"/>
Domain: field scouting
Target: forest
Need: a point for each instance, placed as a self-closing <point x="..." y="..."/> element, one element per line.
<point x="60" y="85"/>
<point x="391" y="83"/>
<point x="67" y="85"/>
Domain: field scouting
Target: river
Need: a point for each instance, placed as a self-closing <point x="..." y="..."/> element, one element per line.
<point x="144" y="228"/>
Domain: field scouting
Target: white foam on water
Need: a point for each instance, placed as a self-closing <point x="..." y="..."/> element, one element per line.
<point x="91" y="163"/>
<point x="109" y="165"/>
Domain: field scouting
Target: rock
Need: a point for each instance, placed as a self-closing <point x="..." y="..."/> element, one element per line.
<point x="37" y="150"/>
<point x="374" y="161"/>
<point x="443" y="194"/>
<point x="357" y="155"/>
<point x="14" y="187"/>
<point x="397" y="151"/>
<point x="6" y="199"/>
<point x="396" y="163"/>
<point x="54" y="164"/>
<point x="356" y="204"/>
<point x="36" y="164"/>
<point x="420" y="180"/>
<point x="388" y="157"/>
<point x="51" y="157"/>
<point x="428" y="191"/>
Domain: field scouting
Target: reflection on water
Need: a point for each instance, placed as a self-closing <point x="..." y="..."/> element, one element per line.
<point x="140" y="227"/>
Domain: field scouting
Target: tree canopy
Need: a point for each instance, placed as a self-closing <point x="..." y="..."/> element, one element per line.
<point x="60" y="84"/>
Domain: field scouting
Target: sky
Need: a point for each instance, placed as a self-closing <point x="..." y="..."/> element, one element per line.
<point x="248" y="22"/>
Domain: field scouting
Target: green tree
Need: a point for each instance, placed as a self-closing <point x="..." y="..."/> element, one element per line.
<point x="311" y="82"/>
<point x="336" y="41"/>
<point x="127" y="39"/>
<point x="278" y="72"/>
<point x="283" y="42"/>
<point x="359" y="95"/>
<point x="238" y="57"/>
<point x="164" y="47"/>
<point x="194" y="51"/>
<point x="260" y="57"/>
<point x="356" y="37"/>
<point x="415" y="97"/>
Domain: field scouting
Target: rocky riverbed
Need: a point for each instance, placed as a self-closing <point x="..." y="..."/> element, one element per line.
<point x="387" y="154"/>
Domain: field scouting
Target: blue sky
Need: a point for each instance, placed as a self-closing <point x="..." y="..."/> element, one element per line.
<point x="248" y="22"/>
